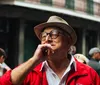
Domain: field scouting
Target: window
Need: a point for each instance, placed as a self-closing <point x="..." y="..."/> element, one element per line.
<point x="91" y="39"/>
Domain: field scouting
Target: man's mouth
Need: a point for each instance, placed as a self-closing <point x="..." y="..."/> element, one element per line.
<point x="52" y="44"/>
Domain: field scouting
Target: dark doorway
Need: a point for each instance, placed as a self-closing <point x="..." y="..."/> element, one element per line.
<point x="9" y="29"/>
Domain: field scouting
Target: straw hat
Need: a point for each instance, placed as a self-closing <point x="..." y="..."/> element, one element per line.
<point x="81" y="58"/>
<point x="56" y="22"/>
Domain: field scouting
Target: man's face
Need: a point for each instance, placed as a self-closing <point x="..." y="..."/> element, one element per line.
<point x="56" y="38"/>
<point x="2" y="59"/>
<point x="97" y="56"/>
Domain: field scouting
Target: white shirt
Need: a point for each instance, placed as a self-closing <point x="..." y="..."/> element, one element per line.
<point x="2" y="66"/>
<point x="1" y="70"/>
<point x="52" y="77"/>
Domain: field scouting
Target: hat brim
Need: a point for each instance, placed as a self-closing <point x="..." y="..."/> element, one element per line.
<point x="39" y="28"/>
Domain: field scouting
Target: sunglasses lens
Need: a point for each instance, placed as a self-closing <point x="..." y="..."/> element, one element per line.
<point x="53" y="35"/>
<point x="43" y="36"/>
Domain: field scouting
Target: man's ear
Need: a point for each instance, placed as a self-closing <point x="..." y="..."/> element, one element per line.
<point x="2" y="57"/>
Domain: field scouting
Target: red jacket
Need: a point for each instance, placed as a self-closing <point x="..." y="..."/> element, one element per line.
<point x="84" y="75"/>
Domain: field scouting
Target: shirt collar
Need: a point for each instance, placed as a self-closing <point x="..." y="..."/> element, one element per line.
<point x="72" y="62"/>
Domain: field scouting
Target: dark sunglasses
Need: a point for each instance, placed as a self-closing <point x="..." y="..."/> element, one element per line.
<point x="53" y="34"/>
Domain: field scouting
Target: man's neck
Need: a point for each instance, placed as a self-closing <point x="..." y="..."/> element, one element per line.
<point x="59" y="65"/>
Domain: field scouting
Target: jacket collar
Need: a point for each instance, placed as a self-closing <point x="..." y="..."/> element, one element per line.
<point x="78" y="67"/>
<point x="41" y="66"/>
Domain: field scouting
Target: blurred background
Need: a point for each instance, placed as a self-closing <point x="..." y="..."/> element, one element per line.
<point x="18" y="18"/>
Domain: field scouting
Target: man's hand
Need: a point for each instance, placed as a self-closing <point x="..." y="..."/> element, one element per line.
<point x="43" y="51"/>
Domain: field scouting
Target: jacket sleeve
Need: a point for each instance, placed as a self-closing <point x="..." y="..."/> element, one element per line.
<point x="6" y="79"/>
<point x="95" y="77"/>
<point x="97" y="80"/>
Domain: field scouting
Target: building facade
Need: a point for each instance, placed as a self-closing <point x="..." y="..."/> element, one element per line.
<point x="18" y="18"/>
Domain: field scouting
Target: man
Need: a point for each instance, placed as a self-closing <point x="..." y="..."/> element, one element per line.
<point x="94" y="59"/>
<point x="3" y="66"/>
<point x="51" y="64"/>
